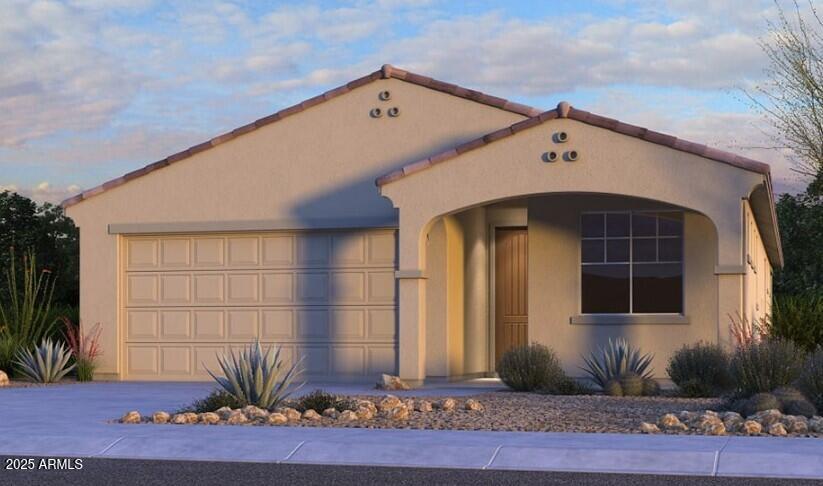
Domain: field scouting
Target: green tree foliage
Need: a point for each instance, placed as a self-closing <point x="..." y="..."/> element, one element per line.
<point x="801" y="230"/>
<point x="52" y="236"/>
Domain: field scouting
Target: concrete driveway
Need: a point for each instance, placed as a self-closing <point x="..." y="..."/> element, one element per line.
<point x="73" y="420"/>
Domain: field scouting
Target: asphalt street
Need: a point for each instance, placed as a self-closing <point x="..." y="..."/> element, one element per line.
<point x="150" y="473"/>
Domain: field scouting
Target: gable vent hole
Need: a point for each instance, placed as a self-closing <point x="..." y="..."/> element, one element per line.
<point x="394" y="111"/>
<point x="384" y="95"/>
<point x="560" y="137"/>
<point x="550" y="156"/>
<point x="376" y="113"/>
<point x="570" y="156"/>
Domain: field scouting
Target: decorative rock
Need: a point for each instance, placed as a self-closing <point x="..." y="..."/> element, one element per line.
<point x="329" y="412"/>
<point x="671" y="422"/>
<point x="687" y="416"/>
<point x="311" y="415"/>
<point x="777" y="429"/>
<point x="160" y="417"/>
<point x="184" y="418"/>
<point x="446" y="404"/>
<point x="4" y="379"/>
<point x="423" y="406"/>
<point x="473" y="405"/>
<point x="277" y="418"/>
<point x="398" y="413"/>
<point x="733" y="424"/>
<point x="391" y="382"/>
<point x="731" y="416"/>
<point x="409" y="403"/>
<point x="224" y="412"/>
<point x="132" y="417"/>
<point x="389" y="402"/>
<point x="369" y="405"/>
<point x="364" y="413"/>
<point x="816" y="424"/>
<point x="252" y="413"/>
<point x="767" y="417"/>
<point x="751" y="427"/>
<point x="347" y="416"/>
<point x="236" y="418"/>
<point x="291" y="414"/>
<point x="713" y="427"/>
<point x="798" y="427"/>
<point x="647" y="428"/>
<point x="209" y="418"/>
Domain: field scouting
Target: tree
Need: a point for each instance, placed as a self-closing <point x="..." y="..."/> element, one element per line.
<point x="792" y="96"/>
<point x="49" y="233"/>
<point x="801" y="229"/>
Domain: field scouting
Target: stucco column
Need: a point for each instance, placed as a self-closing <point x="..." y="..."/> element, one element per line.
<point x="729" y="303"/>
<point x="411" y="283"/>
<point x="412" y="311"/>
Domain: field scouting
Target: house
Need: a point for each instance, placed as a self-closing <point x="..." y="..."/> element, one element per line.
<point x="405" y="225"/>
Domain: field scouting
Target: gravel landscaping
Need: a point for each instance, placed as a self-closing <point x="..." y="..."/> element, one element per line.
<point x="500" y="411"/>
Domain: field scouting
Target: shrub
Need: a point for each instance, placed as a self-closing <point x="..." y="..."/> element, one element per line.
<point x="756" y="403"/>
<point x="84" y="348"/>
<point x="614" y="360"/>
<point x="532" y="367"/>
<point x="256" y="377"/>
<point x="632" y="384"/>
<point x="764" y="366"/>
<point x="700" y="370"/>
<point x="798" y="318"/>
<point x="213" y="401"/>
<point x="319" y="400"/>
<point x="800" y="407"/>
<point x="811" y="378"/>
<point x="25" y="312"/>
<point x="570" y="386"/>
<point x="48" y="363"/>
<point x="613" y="388"/>
<point x="651" y="387"/>
<point x="8" y="352"/>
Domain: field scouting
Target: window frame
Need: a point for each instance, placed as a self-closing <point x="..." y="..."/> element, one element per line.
<point x="630" y="262"/>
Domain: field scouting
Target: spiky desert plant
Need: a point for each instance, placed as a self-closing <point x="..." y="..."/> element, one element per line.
<point x="745" y="332"/>
<point x="615" y="359"/>
<point x="25" y="312"/>
<point x="84" y="347"/>
<point x="48" y="363"/>
<point x="256" y="377"/>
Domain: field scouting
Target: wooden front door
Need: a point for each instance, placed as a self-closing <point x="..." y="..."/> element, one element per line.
<point x="511" y="289"/>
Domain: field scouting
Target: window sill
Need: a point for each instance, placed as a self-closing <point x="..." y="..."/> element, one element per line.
<point x="628" y="319"/>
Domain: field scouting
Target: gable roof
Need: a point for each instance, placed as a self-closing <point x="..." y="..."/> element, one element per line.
<point x="565" y="110"/>
<point x="385" y="72"/>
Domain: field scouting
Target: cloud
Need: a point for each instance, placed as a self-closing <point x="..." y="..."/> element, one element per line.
<point x="43" y="192"/>
<point x="54" y="76"/>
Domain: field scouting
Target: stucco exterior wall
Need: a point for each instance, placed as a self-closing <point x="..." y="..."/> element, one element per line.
<point x="758" y="279"/>
<point x="319" y="164"/>
<point x="554" y="283"/>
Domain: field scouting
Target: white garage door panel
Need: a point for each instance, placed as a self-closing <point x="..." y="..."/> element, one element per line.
<point x="327" y="296"/>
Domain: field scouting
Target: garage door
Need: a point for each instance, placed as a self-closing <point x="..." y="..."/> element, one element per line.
<point x="327" y="296"/>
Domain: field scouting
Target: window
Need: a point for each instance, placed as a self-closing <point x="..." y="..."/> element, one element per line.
<point x="632" y="262"/>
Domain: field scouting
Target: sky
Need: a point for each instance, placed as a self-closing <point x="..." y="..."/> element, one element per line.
<point x="91" y="89"/>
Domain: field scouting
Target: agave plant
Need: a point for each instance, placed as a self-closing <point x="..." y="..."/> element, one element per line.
<point x="256" y="377"/>
<point x="47" y="364"/>
<point x="615" y="359"/>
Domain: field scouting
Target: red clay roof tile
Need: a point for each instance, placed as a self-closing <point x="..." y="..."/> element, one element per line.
<point x="385" y="72"/>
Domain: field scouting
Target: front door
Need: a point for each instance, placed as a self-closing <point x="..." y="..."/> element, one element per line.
<point x="511" y="289"/>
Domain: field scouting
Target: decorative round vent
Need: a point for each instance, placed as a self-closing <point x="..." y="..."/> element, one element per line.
<point x="570" y="156"/>
<point x="560" y="137"/>
<point x="550" y="156"/>
<point x="384" y="95"/>
<point x="394" y="111"/>
<point x="376" y="113"/>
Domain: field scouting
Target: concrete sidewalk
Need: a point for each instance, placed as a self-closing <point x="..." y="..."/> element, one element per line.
<point x="71" y="421"/>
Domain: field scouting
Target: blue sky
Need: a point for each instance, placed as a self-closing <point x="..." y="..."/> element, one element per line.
<point x="91" y="89"/>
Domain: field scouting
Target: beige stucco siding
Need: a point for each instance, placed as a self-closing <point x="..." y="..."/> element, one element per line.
<point x="319" y="164"/>
<point x="554" y="283"/>
<point x="758" y="280"/>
